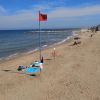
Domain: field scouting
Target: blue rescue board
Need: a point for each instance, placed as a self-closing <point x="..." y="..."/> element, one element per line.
<point x="32" y="70"/>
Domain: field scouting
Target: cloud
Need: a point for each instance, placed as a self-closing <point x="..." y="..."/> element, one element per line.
<point x="2" y="10"/>
<point x="72" y="12"/>
<point x="24" y="20"/>
<point x="41" y="7"/>
<point x="28" y="18"/>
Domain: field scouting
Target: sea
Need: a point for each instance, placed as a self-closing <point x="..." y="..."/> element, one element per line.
<point x="17" y="42"/>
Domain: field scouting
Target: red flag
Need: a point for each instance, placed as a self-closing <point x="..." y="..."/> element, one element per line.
<point x="42" y="17"/>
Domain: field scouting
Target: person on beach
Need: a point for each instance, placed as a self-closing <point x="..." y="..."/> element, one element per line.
<point x="96" y="29"/>
<point x="42" y="61"/>
<point x="54" y="53"/>
<point x="76" y="40"/>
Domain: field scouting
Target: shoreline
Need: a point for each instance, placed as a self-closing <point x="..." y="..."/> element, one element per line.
<point x="16" y="55"/>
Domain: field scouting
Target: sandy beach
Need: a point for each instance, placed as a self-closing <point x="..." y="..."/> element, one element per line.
<point x="74" y="74"/>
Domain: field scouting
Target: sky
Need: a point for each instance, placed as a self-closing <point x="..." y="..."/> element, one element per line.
<point x="23" y="14"/>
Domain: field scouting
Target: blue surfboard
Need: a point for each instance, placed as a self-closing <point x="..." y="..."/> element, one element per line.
<point x="32" y="70"/>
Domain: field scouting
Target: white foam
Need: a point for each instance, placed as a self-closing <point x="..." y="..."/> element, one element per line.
<point x="1" y="59"/>
<point x="50" y="31"/>
<point x="44" y="46"/>
<point x="64" y="40"/>
<point x="33" y="51"/>
<point x="11" y="56"/>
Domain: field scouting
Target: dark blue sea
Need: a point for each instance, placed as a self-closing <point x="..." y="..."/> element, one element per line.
<point x="14" y="42"/>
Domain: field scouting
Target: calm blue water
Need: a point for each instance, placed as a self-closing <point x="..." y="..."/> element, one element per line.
<point x="21" y="41"/>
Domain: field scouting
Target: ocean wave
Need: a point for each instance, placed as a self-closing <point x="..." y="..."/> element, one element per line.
<point x="64" y="40"/>
<point x="1" y="58"/>
<point x="44" y="46"/>
<point x="29" y="52"/>
<point x="8" y="57"/>
<point x="27" y="44"/>
<point x="34" y="50"/>
<point x="11" y="56"/>
<point x="47" y="31"/>
<point x="75" y="32"/>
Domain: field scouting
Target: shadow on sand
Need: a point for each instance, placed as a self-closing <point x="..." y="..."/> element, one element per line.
<point x="17" y="72"/>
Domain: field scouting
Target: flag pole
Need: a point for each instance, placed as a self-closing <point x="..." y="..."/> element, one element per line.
<point x="39" y="36"/>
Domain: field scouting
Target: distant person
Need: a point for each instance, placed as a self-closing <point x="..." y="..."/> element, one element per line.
<point x="96" y="29"/>
<point x="54" y="52"/>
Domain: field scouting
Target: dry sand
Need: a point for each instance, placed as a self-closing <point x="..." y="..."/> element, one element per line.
<point x="73" y="75"/>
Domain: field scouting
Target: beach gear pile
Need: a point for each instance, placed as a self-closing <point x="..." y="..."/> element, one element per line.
<point x="34" y="68"/>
